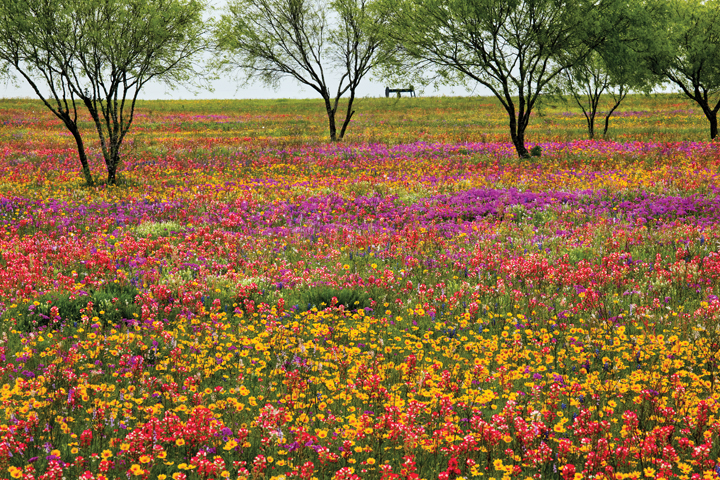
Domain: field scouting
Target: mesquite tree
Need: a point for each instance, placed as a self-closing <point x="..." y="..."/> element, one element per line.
<point x="617" y="65"/>
<point x="684" y="51"/>
<point x="515" y="48"/>
<point x="587" y="83"/>
<point x="311" y="41"/>
<point x="97" y="55"/>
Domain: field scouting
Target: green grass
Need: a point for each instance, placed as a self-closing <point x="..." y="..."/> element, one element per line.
<point x="660" y="117"/>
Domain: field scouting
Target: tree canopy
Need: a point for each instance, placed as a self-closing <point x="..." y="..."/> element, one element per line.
<point x="616" y="66"/>
<point x="684" y="51"/>
<point x="99" y="54"/>
<point x="318" y="44"/>
<point x="515" y="48"/>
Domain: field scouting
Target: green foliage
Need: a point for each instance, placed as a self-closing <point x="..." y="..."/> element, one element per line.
<point x="110" y="304"/>
<point x="586" y="82"/>
<point x="322" y="296"/>
<point x="268" y="40"/>
<point x="231" y="293"/>
<point x="684" y="51"/>
<point x="513" y="48"/>
<point x="158" y="229"/>
<point x="614" y="67"/>
<point x="99" y="54"/>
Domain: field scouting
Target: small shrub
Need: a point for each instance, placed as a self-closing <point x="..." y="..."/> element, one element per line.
<point x="115" y="301"/>
<point x="322" y="297"/>
<point x="158" y="229"/>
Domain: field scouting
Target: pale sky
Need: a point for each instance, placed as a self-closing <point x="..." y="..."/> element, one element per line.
<point x="228" y="89"/>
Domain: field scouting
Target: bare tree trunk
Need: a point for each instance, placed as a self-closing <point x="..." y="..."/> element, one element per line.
<point x="81" y="153"/>
<point x="607" y="125"/>
<point x="517" y="131"/>
<point x="348" y="114"/>
<point x="591" y="126"/>
<point x="518" y="140"/>
<point x="712" y="118"/>
<point x="113" y="160"/>
<point x="621" y="96"/>
<point x="111" y="178"/>
<point x="331" y="119"/>
<point x="699" y="95"/>
<point x="112" y="169"/>
<point x="710" y="114"/>
<point x="591" y="111"/>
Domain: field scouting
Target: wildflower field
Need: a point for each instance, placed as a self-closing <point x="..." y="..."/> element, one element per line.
<point x="414" y="302"/>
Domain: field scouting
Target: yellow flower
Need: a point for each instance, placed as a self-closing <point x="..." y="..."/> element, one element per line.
<point x="230" y="445"/>
<point x="370" y="461"/>
<point x="106" y="454"/>
<point x="137" y="470"/>
<point x="15" y="472"/>
<point x="180" y="442"/>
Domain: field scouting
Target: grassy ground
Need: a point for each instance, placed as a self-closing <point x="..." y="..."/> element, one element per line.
<point x="662" y="117"/>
